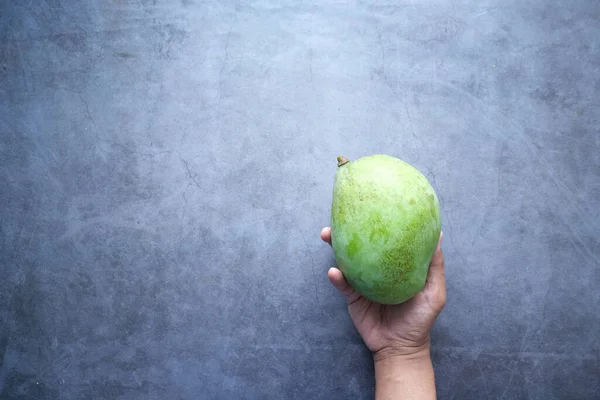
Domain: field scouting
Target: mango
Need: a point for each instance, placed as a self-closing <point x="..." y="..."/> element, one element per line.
<point x="385" y="226"/>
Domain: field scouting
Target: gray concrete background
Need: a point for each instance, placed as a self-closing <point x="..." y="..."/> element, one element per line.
<point x="166" y="167"/>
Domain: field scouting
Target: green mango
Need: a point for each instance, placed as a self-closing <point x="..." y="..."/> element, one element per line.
<point x="385" y="226"/>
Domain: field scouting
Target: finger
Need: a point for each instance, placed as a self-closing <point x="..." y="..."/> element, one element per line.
<point x="326" y="234"/>
<point x="435" y="275"/>
<point x="339" y="282"/>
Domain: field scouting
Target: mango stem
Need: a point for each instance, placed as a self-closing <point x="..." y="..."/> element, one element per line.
<point x="342" y="160"/>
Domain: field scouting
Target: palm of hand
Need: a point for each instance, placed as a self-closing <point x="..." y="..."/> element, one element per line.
<point x="402" y="327"/>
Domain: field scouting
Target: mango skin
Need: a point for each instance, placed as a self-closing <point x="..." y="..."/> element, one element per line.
<point x="385" y="226"/>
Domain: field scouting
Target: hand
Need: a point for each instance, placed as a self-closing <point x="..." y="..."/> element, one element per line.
<point x="395" y="330"/>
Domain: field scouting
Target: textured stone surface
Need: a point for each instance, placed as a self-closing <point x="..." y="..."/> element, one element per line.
<point x="165" y="169"/>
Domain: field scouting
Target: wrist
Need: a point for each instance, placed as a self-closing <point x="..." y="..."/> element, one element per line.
<point x="404" y="371"/>
<point x="403" y="353"/>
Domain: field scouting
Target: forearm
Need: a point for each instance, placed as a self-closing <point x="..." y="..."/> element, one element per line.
<point x="405" y="377"/>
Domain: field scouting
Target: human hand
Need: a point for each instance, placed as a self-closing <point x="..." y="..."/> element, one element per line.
<point x="395" y="330"/>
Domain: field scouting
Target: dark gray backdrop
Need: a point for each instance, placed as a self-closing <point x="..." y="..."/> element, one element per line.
<point x="166" y="167"/>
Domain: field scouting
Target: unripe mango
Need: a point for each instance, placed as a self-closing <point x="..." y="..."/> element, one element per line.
<point x="385" y="226"/>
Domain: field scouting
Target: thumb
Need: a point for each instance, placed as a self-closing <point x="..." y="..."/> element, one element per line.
<point x="435" y="287"/>
<point x="435" y="275"/>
